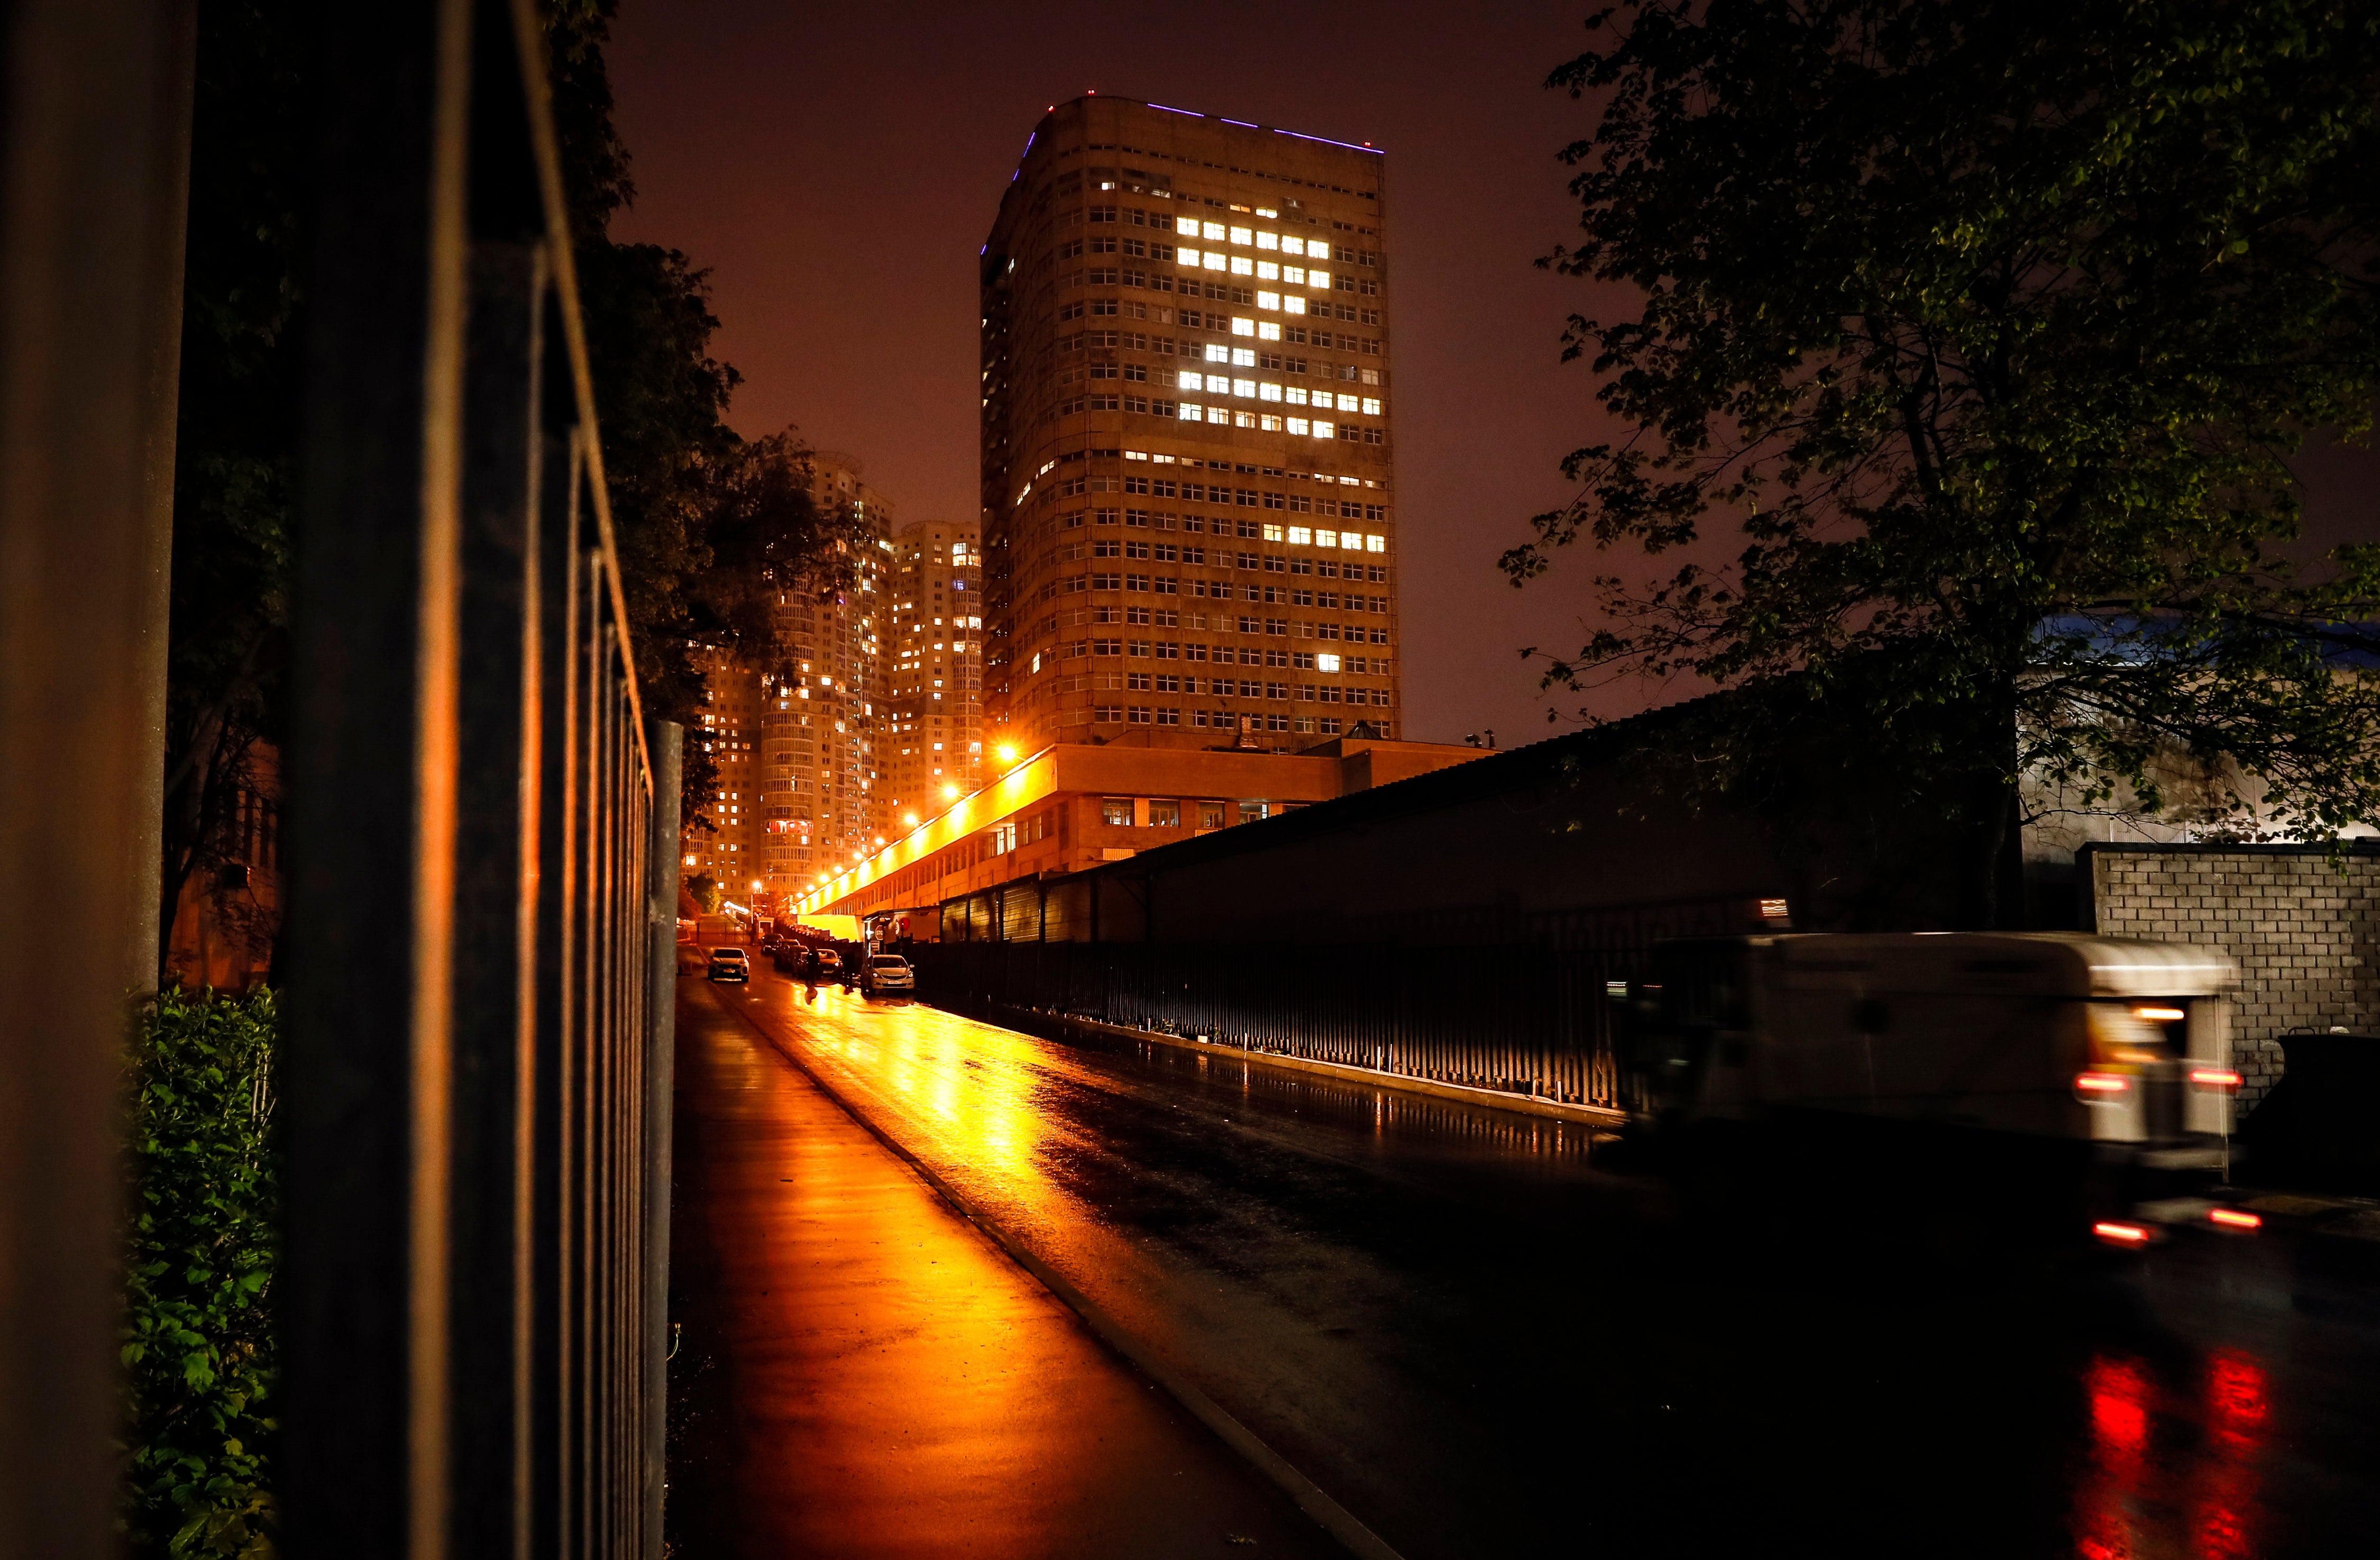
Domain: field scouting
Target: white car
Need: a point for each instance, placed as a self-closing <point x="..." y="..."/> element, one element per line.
<point x="729" y="964"/>
<point x="888" y="972"/>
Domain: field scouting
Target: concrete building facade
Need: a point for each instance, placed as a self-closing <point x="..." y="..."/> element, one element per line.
<point x="1189" y="529"/>
<point x="931" y="737"/>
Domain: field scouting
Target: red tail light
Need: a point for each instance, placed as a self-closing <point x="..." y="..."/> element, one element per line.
<point x="2116" y="1234"/>
<point x="2235" y="1218"/>
<point x="2222" y="1080"/>
<point x="2101" y="1089"/>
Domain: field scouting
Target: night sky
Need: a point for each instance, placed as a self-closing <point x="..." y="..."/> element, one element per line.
<point x="837" y="168"/>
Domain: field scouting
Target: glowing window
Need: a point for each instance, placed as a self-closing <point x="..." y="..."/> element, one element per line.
<point x="1267" y="391"/>
<point x="1376" y="543"/>
<point x="1215" y="260"/>
<point x="1273" y="533"/>
<point x="1325" y="430"/>
<point x="1292" y="246"/>
<point x="1371" y="406"/>
<point x="1297" y="394"/>
<point x="1186" y="225"/>
<point x="1351" y="542"/>
<point x="1269" y="422"/>
<point x="1325" y="662"/>
<point x="1300" y="536"/>
<point x="1188" y="379"/>
<point x="1243" y="420"/>
<point x="1241" y="326"/>
<point x="1326" y="539"/>
<point x="1219" y="384"/>
<point x="1220" y="414"/>
<point x="1243" y="356"/>
<point x="1268" y="330"/>
<point x="1293" y="305"/>
<point x="1218" y="353"/>
<point x="1269" y="270"/>
<point x="1243" y="235"/>
<point x="1243" y="266"/>
<point x="1268" y="240"/>
<point x="1320" y="279"/>
<point x="1293" y="274"/>
<point x="1243" y="387"/>
<point x="1212" y="230"/>
<point x="1188" y="256"/>
<point x="1189" y="412"/>
<point x="1347" y="403"/>
<point x="1297" y="425"/>
<point x="1269" y="300"/>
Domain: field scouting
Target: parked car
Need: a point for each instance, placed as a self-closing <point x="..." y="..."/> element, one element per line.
<point x="830" y="964"/>
<point x="887" y="972"/>
<point x="729" y="964"/>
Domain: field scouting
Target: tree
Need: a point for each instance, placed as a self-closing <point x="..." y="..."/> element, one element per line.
<point x="1988" y="331"/>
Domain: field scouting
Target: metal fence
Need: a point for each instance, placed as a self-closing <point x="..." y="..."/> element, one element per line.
<point x="1526" y="1020"/>
<point x="482" y="851"/>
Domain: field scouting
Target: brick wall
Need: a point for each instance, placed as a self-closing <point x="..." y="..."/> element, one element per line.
<point x="2306" y="937"/>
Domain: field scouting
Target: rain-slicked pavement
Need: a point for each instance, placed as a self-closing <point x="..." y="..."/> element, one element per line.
<point x="1482" y="1341"/>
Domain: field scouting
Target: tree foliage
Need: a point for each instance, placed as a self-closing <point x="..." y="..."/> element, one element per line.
<point x="198" y="1339"/>
<point x="1987" y="331"/>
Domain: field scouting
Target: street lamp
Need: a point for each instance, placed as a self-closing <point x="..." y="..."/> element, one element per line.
<point x="1007" y="751"/>
<point x="950" y="793"/>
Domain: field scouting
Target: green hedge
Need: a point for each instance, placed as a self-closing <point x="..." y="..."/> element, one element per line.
<point x="198" y="1346"/>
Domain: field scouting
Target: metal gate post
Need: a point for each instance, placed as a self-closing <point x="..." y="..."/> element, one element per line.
<point x="666" y="741"/>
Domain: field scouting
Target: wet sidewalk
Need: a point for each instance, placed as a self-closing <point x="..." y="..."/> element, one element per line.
<point x="861" y="1372"/>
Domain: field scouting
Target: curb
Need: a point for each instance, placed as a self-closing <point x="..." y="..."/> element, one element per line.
<point x="1333" y="1518"/>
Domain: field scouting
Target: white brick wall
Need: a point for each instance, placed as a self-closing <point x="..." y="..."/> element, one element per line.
<point x="2306" y="935"/>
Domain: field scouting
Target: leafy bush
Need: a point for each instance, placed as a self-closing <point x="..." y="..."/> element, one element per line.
<point x="198" y="1345"/>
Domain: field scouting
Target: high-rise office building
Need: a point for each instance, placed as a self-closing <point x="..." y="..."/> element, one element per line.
<point x="1189" y="527"/>
<point x="929" y="738"/>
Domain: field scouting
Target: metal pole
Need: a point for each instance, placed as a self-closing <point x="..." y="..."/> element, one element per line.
<point x="93" y="121"/>
<point x="665" y="740"/>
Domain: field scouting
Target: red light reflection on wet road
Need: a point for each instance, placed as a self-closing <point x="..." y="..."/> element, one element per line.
<point x="2173" y="1469"/>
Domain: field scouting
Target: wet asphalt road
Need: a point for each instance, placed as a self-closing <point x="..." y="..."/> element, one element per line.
<point x="1484" y="1340"/>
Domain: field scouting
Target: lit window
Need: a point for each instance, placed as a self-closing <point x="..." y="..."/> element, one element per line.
<point x="1301" y="536"/>
<point x="1243" y="266"/>
<point x="1292" y="246"/>
<point x="1297" y="394"/>
<point x="1267" y="391"/>
<point x="1215" y="260"/>
<point x="1188" y="256"/>
<point x="1188" y="379"/>
<point x="1242" y="327"/>
<point x="1297" y="425"/>
<point x="1186" y="225"/>
<point x="1220" y="414"/>
<point x="1218" y="353"/>
<point x="1212" y="230"/>
<point x="1351" y="542"/>
<point x="1243" y="387"/>
<point x="1293" y="274"/>
<point x="1268" y="240"/>
<point x="1326" y="539"/>
<point x="1269" y="270"/>
<point x="1293" y="305"/>
<point x="1269" y="422"/>
<point x="1273" y="533"/>
<point x="1219" y="384"/>
<point x="1269" y="300"/>
<point x="1268" y="330"/>
<point x="1325" y="430"/>
<point x="1245" y="357"/>
<point x="1371" y="406"/>
<point x="1347" y="403"/>
<point x="1189" y="412"/>
<point x="1325" y="662"/>
<point x="1243" y="420"/>
<point x="1243" y="235"/>
<point x="1376" y="543"/>
<point x="1317" y="279"/>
